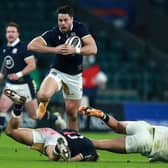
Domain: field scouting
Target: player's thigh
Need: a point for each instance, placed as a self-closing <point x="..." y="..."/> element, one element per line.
<point x="23" y="135"/>
<point x="48" y="87"/>
<point x="31" y="107"/>
<point x="5" y="103"/>
<point x="134" y="127"/>
<point x="72" y="86"/>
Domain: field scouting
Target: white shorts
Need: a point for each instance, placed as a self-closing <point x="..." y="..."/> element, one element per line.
<point x="139" y="137"/>
<point x="21" y="89"/>
<point x="72" y="84"/>
<point x="46" y="136"/>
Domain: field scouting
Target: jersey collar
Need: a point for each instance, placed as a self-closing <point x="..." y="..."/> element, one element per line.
<point x="14" y="43"/>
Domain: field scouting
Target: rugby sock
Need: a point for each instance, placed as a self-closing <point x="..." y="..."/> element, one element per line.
<point x="2" y="120"/>
<point x="105" y="118"/>
<point x="17" y="109"/>
<point x="49" y="116"/>
<point x="46" y="116"/>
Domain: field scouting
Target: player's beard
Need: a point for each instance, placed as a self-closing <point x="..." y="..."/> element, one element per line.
<point x="65" y="29"/>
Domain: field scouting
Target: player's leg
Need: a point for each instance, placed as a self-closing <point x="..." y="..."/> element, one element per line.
<point x="22" y="135"/>
<point x="47" y="89"/>
<point x="72" y="113"/>
<point x="72" y="92"/>
<point x="113" y="145"/>
<point x="5" y="104"/>
<point x="31" y="107"/>
<point x="113" y="123"/>
<point x="29" y="91"/>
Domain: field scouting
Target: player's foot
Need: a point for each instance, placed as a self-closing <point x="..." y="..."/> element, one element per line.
<point x="41" y="111"/>
<point x="91" y="112"/>
<point x="63" y="149"/>
<point x="15" y="97"/>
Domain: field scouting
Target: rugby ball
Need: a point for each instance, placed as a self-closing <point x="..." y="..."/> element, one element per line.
<point x="74" y="41"/>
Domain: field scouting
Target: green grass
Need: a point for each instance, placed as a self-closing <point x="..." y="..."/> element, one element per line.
<point x="15" y="155"/>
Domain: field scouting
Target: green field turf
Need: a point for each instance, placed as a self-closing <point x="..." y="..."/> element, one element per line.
<point x="15" y="155"/>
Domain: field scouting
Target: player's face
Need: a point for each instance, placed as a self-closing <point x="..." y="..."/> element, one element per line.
<point x="65" y="22"/>
<point x="11" y="34"/>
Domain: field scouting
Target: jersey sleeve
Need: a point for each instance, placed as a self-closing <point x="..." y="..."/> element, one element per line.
<point x="48" y="37"/>
<point x="25" y="52"/>
<point x="83" y="30"/>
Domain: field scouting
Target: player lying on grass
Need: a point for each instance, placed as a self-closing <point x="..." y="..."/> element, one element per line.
<point x="67" y="145"/>
<point x="141" y="137"/>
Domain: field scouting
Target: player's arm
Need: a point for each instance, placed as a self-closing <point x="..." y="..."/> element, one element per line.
<point x="51" y="155"/>
<point x="30" y="65"/>
<point x="78" y="157"/>
<point x="83" y="157"/>
<point x="38" y="44"/>
<point x="89" y="46"/>
<point x="2" y="71"/>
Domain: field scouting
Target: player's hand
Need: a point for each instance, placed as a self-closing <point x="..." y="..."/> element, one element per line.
<point x="59" y="49"/>
<point x="82" y="110"/>
<point x="13" y="76"/>
<point x="68" y="50"/>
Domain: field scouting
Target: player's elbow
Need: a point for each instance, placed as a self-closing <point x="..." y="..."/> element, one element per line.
<point x="33" y="66"/>
<point x="30" y="47"/>
<point x="94" y="50"/>
<point x="8" y="132"/>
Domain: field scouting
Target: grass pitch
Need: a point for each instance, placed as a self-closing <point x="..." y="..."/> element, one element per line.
<point x="15" y="155"/>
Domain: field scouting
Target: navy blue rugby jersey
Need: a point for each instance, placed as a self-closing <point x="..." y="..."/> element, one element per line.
<point x="78" y="143"/>
<point x="13" y="59"/>
<point x="68" y="64"/>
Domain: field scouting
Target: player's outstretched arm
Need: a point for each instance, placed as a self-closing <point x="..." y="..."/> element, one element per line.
<point x="113" y="123"/>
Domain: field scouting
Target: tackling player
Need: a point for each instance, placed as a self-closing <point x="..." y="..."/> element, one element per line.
<point x="68" y="145"/>
<point x="66" y="71"/>
<point x="141" y="137"/>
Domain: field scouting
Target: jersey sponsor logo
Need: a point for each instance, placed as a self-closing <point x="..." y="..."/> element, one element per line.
<point x="9" y="62"/>
<point x="59" y="37"/>
<point x="14" y="51"/>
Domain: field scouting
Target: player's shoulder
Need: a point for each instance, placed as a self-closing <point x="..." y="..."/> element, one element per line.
<point x="51" y="31"/>
<point x="77" y="23"/>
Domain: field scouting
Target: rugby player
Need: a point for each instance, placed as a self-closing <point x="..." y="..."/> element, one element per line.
<point x="67" y="144"/>
<point x="66" y="71"/>
<point x="140" y="136"/>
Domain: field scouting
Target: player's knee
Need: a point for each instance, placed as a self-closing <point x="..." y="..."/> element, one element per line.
<point x="72" y="116"/>
<point x="43" y="96"/>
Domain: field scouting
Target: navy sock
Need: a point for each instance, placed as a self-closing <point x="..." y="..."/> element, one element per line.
<point x="17" y="109"/>
<point x="2" y="121"/>
<point x="49" y="116"/>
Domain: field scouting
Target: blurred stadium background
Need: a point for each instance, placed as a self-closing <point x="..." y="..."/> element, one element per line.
<point x="132" y="50"/>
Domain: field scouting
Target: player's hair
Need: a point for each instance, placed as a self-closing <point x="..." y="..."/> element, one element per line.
<point x="65" y="10"/>
<point x="13" y="24"/>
